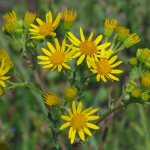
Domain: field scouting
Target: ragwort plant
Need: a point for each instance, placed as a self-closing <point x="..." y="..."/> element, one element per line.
<point x="67" y="53"/>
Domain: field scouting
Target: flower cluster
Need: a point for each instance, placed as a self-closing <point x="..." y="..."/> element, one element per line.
<point x="68" y="52"/>
<point x="138" y="84"/>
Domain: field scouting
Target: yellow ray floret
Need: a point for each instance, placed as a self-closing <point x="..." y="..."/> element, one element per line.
<point x="50" y="99"/>
<point x="45" y="28"/>
<point x="29" y="18"/>
<point x="3" y="70"/>
<point x="86" y="47"/>
<point x="79" y="121"/>
<point x="4" y="56"/>
<point x="56" y="57"/>
<point x="103" y="67"/>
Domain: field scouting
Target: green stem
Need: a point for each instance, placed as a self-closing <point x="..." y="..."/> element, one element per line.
<point x="119" y="107"/>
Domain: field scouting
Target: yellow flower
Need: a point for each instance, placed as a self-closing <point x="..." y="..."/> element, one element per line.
<point x="3" y="70"/>
<point x="50" y="99"/>
<point x="45" y="28"/>
<point x="133" y="61"/>
<point x="145" y="80"/>
<point x="56" y="57"/>
<point x="71" y="92"/>
<point x="10" y="21"/>
<point x="78" y="121"/>
<point x="143" y="54"/>
<point x="131" y="40"/>
<point x="4" y="56"/>
<point x="29" y="18"/>
<point x="69" y="17"/>
<point x="145" y="96"/>
<point x="122" y="33"/>
<point x="86" y="48"/>
<point x="103" y="67"/>
<point x="109" y="26"/>
<point x="136" y="92"/>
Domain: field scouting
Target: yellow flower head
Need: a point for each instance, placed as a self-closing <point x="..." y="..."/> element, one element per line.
<point x="4" y="56"/>
<point x="145" y="80"/>
<point x="45" y="28"/>
<point x="56" y="57"/>
<point x="143" y="54"/>
<point x="86" y="48"/>
<point x="109" y="26"/>
<point x="69" y="17"/>
<point x="10" y="21"/>
<point x="133" y="61"/>
<point x="122" y="33"/>
<point x="136" y="93"/>
<point x="78" y="121"/>
<point x="145" y="96"/>
<point x="131" y="40"/>
<point x="29" y="18"/>
<point x="71" y="92"/>
<point x="51" y="99"/>
<point x="103" y="67"/>
<point x="3" y="70"/>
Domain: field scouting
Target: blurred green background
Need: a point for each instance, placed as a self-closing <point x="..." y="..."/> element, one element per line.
<point x="23" y="121"/>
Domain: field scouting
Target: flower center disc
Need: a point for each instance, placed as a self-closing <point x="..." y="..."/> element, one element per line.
<point x="88" y="47"/>
<point x="78" y="121"/>
<point x="57" y="58"/>
<point x="103" y="67"/>
<point x="45" y="29"/>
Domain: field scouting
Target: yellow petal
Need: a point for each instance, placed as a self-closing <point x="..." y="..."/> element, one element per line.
<point x="34" y="26"/>
<point x="66" y="66"/>
<point x="103" y="78"/>
<point x="79" y="108"/>
<point x="74" y="38"/>
<point x="73" y="42"/>
<point x="49" y="18"/>
<point x="39" y="21"/>
<point x="74" y="107"/>
<point x="65" y="125"/>
<point x="43" y="57"/>
<point x="57" y="44"/>
<point x="92" y="112"/>
<point x="90" y="37"/>
<point x="5" y="70"/>
<point x="113" y="59"/>
<point x="77" y="54"/>
<point x="98" y="39"/>
<point x="113" y="77"/>
<point x="80" y="60"/>
<point x="2" y="83"/>
<point x="81" y="134"/>
<point x="63" y="45"/>
<point x="103" y="46"/>
<point x="98" y="77"/>
<point x="57" y="20"/>
<point x="92" y="126"/>
<point x="90" y="118"/>
<point x="116" y="71"/>
<point x="73" y="136"/>
<point x="43" y="62"/>
<point x="82" y="35"/>
<point x="59" y="68"/>
<point x="87" y="110"/>
<point x="50" y="46"/>
<point x="87" y="131"/>
<point x="45" y="51"/>
<point x="70" y="112"/>
<point x="5" y="78"/>
<point x="70" y="132"/>
<point x="65" y="118"/>
<point x="116" y="64"/>
<point x="48" y="66"/>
